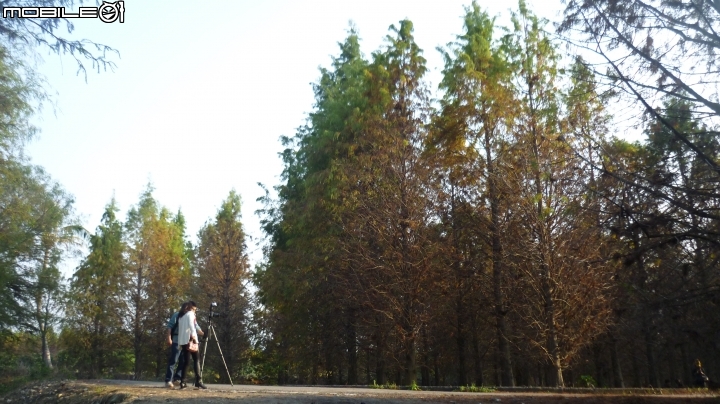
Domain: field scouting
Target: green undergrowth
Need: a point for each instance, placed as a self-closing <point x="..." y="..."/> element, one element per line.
<point x="8" y="384"/>
<point x="393" y="386"/>
<point x="388" y="385"/>
<point x="475" y="389"/>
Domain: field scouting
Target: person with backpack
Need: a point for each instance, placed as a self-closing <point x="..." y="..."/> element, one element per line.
<point x="173" y="375"/>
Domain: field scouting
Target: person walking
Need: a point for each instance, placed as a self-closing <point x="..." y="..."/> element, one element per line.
<point x="172" y="375"/>
<point x="699" y="376"/>
<point x="187" y="334"/>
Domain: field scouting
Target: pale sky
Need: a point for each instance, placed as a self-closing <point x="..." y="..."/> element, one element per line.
<point x="202" y="92"/>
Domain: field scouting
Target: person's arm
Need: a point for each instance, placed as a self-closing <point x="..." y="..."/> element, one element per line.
<point x="198" y="329"/>
<point x="170" y="326"/>
<point x="194" y="335"/>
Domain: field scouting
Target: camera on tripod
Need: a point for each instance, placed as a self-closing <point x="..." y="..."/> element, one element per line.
<point x="212" y="306"/>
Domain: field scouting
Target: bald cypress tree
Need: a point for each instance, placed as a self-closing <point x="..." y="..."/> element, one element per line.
<point x="158" y="278"/>
<point x="386" y="205"/>
<point x="306" y="282"/>
<point x="474" y="129"/>
<point x="223" y="273"/>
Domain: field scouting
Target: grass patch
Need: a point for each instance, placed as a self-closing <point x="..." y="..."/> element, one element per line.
<point x="475" y="389"/>
<point x="8" y="384"/>
<point x="388" y="385"/>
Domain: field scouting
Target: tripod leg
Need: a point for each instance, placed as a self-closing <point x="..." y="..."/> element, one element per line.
<point x="223" y="359"/>
<point x="202" y="364"/>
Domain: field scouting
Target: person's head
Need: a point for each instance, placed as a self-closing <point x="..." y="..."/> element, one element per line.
<point x="188" y="307"/>
<point x="697" y="363"/>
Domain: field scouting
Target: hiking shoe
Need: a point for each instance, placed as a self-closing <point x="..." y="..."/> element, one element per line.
<point x="200" y="386"/>
<point x="169" y="385"/>
<point x="183" y="385"/>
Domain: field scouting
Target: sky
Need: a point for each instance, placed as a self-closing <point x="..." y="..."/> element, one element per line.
<point x="201" y="93"/>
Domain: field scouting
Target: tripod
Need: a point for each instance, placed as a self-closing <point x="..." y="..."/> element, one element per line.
<point x="211" y="332"/>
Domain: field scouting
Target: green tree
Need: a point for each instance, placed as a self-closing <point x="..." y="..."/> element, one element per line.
<point x="304" y="280"/>
<point x="56" y="234"/>
<point x="20" y="183"/>
<point x="223" y="274"/>
<point x="97" y="302"/>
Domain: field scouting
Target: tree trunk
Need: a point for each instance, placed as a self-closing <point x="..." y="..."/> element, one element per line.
<point x="685" y="361"/>
<point x="670" y="352"/>
<point x="425" y="370"/>
<point x="540" y="374"/>
<point x="137" y="327"/>
<point x="351" y="341"/>
<point x="506" y="374"/>
<point x="559" y="381"/>
<point x="47" y="359"/>
<point x="380" y="360"/>
<point x="137" y="348"/>
<point x="501" y="328"/>
<point x="637" y="379"/>
<point x="552" y="347"/>
<point x="314" y="371"/>
<point x="479" y="380"/>
<point x="460" y="340"/>
<point x="617" y="370"/>
<point x="409" y="370"/>
<point x="368" y="376"/>
<point x="95" y="363"/>
<point x="599" y="365"/>
<point x="329" y="364"/>
<point x="652" y="365"/>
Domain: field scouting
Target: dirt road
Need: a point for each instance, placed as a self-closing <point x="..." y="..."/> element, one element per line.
<point x="115" y="391"/>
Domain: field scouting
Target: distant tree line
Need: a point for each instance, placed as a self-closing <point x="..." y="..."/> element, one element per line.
<point x="501" y="234"/>
<point x="135" y="277"/>
<point x="109" y="319"/>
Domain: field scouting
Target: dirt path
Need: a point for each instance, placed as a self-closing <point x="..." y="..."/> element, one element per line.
<point x="111" y="392"/>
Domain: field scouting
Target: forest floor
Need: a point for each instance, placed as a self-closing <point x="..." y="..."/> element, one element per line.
<point x="114" y="391"/>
